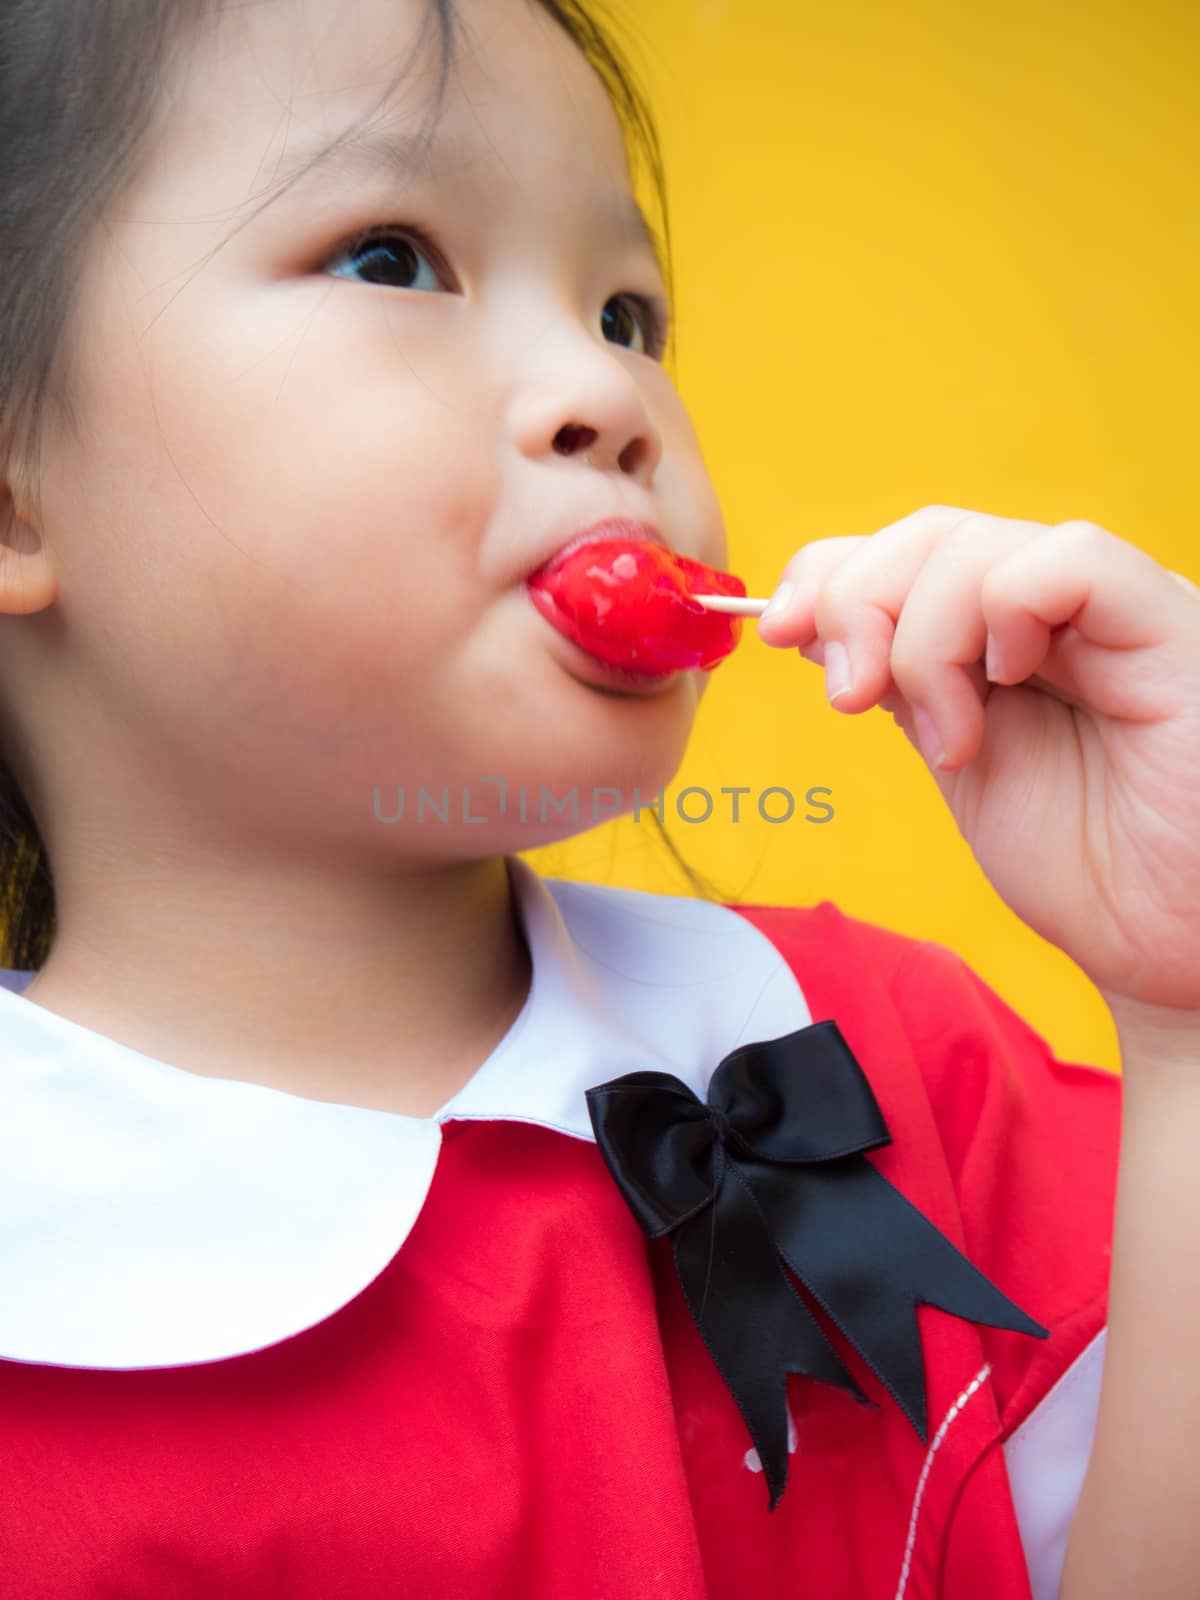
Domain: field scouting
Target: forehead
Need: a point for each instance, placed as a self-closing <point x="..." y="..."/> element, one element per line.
<point x="261" y="88"/>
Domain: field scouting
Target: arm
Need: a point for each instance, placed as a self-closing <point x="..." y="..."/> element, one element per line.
<point x="1136" y="1530"/>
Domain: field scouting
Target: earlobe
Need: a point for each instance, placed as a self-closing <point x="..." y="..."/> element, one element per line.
<point x="27" y="579"/>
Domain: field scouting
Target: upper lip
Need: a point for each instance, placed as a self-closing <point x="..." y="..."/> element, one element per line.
<point x="614" y="527"/>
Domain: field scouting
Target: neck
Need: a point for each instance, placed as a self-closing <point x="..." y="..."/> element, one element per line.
<point x="381" y="991"/>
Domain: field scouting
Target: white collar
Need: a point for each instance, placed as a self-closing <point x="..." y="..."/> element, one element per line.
<point x="154" y="1217"/>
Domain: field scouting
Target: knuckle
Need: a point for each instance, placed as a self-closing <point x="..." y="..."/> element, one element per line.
<point x="807" y="560"/>
<point x="922" y="520"/>
<point x="939" y="513"/>
<point x="905" y="661"/>
<point x="839" y="588"/>
<point x="1087" y="535"/>
<point x="909" y="659"/>
<point x="793" y="569"/>
<point x="973" y="526"/>
<point x="833" y="601"/>
<point x="995" y="589"/>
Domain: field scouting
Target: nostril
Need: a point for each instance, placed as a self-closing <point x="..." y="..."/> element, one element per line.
<point x="631" y="457"/>
<point x="572" y="438"/>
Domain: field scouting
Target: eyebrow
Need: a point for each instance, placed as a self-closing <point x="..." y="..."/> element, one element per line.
<point x="406" y="157"/>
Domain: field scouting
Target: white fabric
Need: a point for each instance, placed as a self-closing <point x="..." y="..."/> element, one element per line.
<point x="154" y="1217"/>
<point x="1047" y="1458"/>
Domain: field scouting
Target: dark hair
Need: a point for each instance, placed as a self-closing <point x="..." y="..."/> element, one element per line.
<point x="78" y="100"/>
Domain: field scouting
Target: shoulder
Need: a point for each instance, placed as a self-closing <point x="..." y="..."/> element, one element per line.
<point x="975" y="1061"/>
<point x="824" y="938"/>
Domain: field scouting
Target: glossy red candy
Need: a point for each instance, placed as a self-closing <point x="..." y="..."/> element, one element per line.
<point x="627" y="602"/>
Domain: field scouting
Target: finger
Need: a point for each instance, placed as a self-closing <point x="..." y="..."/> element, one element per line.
<point x="860" y="607"/>
<point x="1084" y="610"/>
<point x="942" y="634"/>
<point x="791" y="624"/>
<point x="891" y="700"/>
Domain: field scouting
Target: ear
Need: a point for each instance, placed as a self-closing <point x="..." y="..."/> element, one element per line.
<point x="27" y="578"/>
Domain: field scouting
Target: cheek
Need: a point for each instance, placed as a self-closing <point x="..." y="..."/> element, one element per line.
<point x="338" y="646"/>
<point x="315" y="516"/>
<point x="299" y="614"/>
<point x="317" y="445"/>
<point x="364" y="586"/>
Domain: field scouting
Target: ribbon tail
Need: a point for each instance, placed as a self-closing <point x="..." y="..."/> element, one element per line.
<point x="756" y="1327"/>
<point x="869" y="1257"/>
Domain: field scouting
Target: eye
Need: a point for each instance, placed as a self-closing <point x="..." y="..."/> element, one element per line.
<point x="649" y="324"/>
<point x="393" y="257"/>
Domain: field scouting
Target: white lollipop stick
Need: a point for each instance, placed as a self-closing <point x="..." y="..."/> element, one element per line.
<point x="732" y="604"/>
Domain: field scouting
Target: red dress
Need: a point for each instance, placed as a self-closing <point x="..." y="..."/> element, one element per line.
<point x="254" y="1345"/>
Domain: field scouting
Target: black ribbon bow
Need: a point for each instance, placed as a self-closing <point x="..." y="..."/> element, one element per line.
<point x="773" y="1165"/>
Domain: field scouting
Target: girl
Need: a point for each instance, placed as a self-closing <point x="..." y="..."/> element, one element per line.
<point x="340" y="1150"/>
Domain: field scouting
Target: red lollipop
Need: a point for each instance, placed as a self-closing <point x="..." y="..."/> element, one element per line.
<point x="628" y="603"/>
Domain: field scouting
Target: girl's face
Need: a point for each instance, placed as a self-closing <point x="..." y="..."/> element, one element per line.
<point x="290" y="552"/>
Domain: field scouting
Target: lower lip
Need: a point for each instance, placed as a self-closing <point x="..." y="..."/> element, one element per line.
<point x="598" y="674"/>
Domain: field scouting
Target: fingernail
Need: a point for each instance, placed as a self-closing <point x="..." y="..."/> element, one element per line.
<point x="778" y="601"/>
<point x="837" y="669"/>
<point x="928" y="737"/>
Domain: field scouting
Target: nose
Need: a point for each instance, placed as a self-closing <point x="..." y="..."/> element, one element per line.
<point x="589" y="406"/>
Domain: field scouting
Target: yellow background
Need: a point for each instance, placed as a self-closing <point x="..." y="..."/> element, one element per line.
<point x="924" y="253"/>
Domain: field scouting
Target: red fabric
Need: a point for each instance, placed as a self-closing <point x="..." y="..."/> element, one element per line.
<point x="520" y="1406"/>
